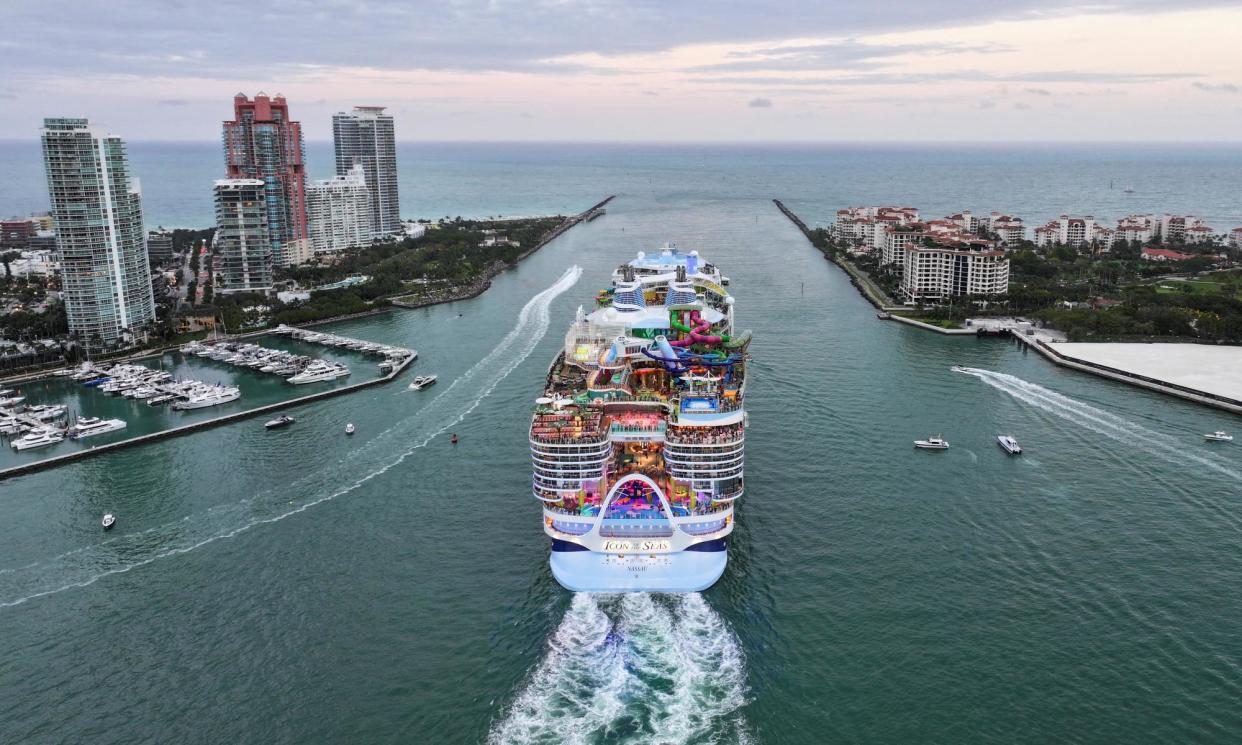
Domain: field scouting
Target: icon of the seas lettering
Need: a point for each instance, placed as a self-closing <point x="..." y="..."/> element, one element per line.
<point x="636" y="545"/>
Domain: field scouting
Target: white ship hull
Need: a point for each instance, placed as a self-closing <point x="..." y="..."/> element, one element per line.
<point x="684" y="571"/>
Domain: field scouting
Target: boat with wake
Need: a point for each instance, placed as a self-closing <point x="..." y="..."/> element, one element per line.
<point x="637" y="443"/>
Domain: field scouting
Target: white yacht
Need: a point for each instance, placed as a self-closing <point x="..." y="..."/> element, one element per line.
<point x="932" y="443"/>
<point x="1009" y="444"/>
<point x="423" y="381"/>
<point x="210" y="397"/>
<point x="38" y="439"/>
<point x="319" y="371"/>
<point x="89" y="426"/>
<point x="1218" y="436"/>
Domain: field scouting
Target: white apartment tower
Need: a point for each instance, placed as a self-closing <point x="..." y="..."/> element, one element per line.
<point x="366" y="137"/>
<point x="100" y="240"/>
<point x="340" y="212"/>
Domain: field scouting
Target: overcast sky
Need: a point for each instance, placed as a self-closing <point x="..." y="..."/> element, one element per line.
<point x="637" y="69"/>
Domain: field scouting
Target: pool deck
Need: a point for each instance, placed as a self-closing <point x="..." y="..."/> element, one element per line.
<point x="196" y="426"/>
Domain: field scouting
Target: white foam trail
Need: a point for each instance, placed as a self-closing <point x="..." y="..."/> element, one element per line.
<point x="1097" y="420"/>
<point x="647" y="669"/>
<point x="28" y="583"/>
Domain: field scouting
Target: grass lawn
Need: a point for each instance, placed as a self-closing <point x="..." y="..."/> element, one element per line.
<point x="1197" y="286"/>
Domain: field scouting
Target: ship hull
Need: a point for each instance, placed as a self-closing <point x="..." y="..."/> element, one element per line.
<point x="682" y="571"/>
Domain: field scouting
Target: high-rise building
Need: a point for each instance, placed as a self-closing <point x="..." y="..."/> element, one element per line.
<point x="97" y="212"/>
<point x="365" y="136"/>
<point x="243" y="241"/>
<point x="340" y="212"/>
<point x="261" y="142"/>
<point x="159" y="246"/>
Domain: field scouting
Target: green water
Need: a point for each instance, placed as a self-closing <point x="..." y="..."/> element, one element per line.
<point x="301" y="586"/>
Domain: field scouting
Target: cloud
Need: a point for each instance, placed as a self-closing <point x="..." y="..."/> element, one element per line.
<point x="986" y="103"/>
<point x="1218" y="87"/>
<point x="884" y="78"/>
<point x="650" y="93"/>
<point x="173" y="102"/>
<point x="1037" y="91"/>
<point x="1022" y="106"/>
<point x="837" y="55"/>
<point x="760" y="103"/>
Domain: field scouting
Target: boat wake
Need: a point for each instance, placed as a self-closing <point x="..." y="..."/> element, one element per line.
<point x="1099" y="421"/>
<point x="633" y="668"/>
<point x="85" y="566"/>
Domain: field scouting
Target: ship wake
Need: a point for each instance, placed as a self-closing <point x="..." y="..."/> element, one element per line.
<point x="637" y="668"/>
<point x="1101" y="422"/>
<point x="86" y="565"/>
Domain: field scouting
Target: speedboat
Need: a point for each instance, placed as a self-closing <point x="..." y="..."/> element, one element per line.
<point x="108" y="521"/>
<point x="284" y="420"/>
<point x="1009" y="444"/>
<point x="1218" y="436"/>
<point x="932" y="443"/>
<point x="349" y="428"/>
<point x="423" y="381"/>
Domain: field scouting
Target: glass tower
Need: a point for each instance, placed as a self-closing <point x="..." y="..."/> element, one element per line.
<point x="366" y="137"/>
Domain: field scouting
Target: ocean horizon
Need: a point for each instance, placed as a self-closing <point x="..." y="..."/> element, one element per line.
<point x="1035" y="180"/>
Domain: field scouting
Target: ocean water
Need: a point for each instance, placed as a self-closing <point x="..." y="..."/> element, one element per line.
<point x="301" y="586"/>
<point x="1035" y="181"/>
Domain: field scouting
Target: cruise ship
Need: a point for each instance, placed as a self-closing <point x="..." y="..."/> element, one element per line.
<point x="637" y="442"/>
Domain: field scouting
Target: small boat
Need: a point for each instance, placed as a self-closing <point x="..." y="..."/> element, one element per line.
<point x="349" y="428"/>
<point x="1009" y="444"/>
<point x="932" y="443"/>
<point x="883" y="316"/>
<point x="108" y="521"/>
<point x="1218" y="436"/>
<point x="453" y="439"/>
<point x="284" y="420"/>
<point x="422" y="381"/>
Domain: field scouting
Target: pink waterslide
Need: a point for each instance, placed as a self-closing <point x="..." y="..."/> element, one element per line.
<point x="699" y="325"/>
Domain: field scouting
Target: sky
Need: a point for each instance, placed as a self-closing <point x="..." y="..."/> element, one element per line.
<point x="637" y="70"/>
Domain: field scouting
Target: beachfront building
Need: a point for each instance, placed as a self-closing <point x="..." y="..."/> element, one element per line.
<point x="1199" y="234"/>
<point x="1007" y="229"/>
<point x="864" y="227"/>
<point x="1235" y="237"/>
<point x="261" y="142"/>
<point x="97" y="213"/>
<point x="1142" y="228"/>
<point x="366" y="137"/>
<point x="937" y="271"/>
<point x="1066" y="231"/>
<point x="159" y="247"/>
<point x="243" y="240"/>
<point x="1174" y="228"/>
<point x="340" y="212"/>
<point x="896" y="239"/>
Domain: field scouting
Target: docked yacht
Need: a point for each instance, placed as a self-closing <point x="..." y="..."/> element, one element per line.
<point x="88" y="426"/>
<point x="1218" y="436"/>
<point x="932" y="443"/>
<point x="319" y="371"/>
<point x="12" y="400"/>
<point x="1009" y="444"/>
<point x="38" y="439"/>
<point x="423" y="381"/>
<point x="210" y="397"/>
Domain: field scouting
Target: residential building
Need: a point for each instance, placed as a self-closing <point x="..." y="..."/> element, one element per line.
<point x="1067" y="231"/>
<point x="896" y="239"/>
<point x="366" y="137"/>
<point x="1235" y="237"/>
<point x="1142" y="228"/>
<point x="97" y="214"/>
<point x="340" y="212"/>
<point x="159" y="246"/>
<point x="262" y="142"/>
<point x="243" y="239"/>
<point x="34" y="264"/>
<point x="414" y="229"/>
<point x="973" y="266"/>
<point x="15" y="234"/>
<point x="1173" y="227"/>
<point x="1199" y="234"/>
<point x="1009" y="230"/>
<point x="1102" y="238"/>
<point x="864" y="226"/>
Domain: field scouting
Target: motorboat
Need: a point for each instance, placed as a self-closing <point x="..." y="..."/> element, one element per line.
<point x="349" y="428"/>
<point x="37" y="439"/>
<point x="108" y="521"/>
<point x="97" y="381"/>
<point x="1218" y="436"/>
<point x="387" y="366"/>
<point x="284" y="420"/>
<point x="89" y="426"/>
<point x="1009" y="444"/>
<point x="211" y="397"/>
<point x="12" y="400"/>
<point x="932" y="443"/>
<point x="423" y="381"/>
<point x="319" y="371"/>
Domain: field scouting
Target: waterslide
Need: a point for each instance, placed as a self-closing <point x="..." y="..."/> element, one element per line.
<point x="734" y="342"/>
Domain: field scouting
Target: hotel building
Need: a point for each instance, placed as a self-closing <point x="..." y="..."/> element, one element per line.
<point x="100" y="242"/>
